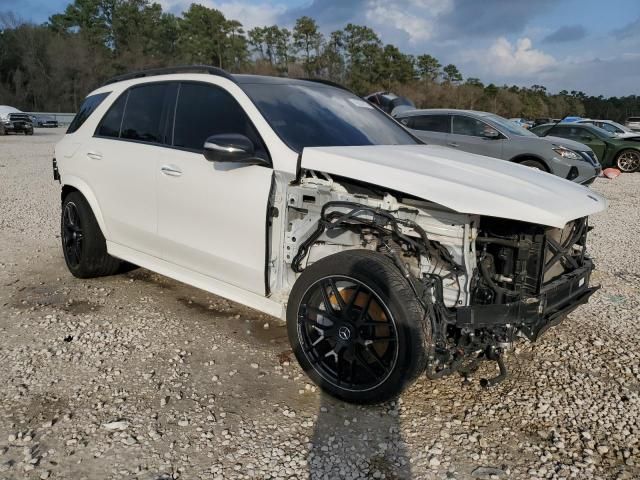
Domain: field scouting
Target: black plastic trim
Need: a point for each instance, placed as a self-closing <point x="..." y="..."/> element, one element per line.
<point x="172" y="70"/>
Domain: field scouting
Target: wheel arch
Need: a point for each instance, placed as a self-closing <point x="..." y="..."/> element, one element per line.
<point x="75" y="184"/>
<point x="529" y="156"/>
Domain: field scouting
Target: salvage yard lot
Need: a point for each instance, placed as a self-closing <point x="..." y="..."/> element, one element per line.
<point x="138" y="376"/>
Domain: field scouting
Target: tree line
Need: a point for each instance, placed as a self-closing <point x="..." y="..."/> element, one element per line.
<point x="52" y="66"/>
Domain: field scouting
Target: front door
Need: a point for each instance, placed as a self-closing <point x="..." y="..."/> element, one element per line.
<point x="212" y="216"/>
<point x="475" y="136"/>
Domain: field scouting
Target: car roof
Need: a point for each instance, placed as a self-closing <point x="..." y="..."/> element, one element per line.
<point x="424" y="111"/>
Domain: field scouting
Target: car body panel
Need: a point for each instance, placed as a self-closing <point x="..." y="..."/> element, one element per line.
<point x="460" y="181"/>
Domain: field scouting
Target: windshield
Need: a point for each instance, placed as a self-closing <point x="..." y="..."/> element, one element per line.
<point x="620" y="126"/>
<point x="602" y="133"/>
<point x="509" y="126"/>
<point x="318" y="116"/>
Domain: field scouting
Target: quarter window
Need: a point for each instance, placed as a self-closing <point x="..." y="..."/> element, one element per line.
<point x="143" y="113"/>
<point x="88" y="106"/>
<point x="431" y="123"/>
<point x="205" y="110"/>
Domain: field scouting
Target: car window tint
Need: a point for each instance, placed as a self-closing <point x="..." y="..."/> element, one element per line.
<point x="86" y="109"/>
<point x="143" y="113"/>
<point x="205" y="110"/>
<point x="431" y="123"/>
<point x="110" y="124"/>
<point x="463" y="125"/>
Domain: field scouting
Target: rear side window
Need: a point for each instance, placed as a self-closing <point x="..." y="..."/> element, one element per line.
<point x="143" y="113"/>
<point x="430" y="123"/>
<point x="205" y="110"/>
<point x="112" y="121"/>
<point x="86" y="109"/>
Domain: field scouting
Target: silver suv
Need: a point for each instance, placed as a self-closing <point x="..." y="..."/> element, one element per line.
<point x="494" y="136"/>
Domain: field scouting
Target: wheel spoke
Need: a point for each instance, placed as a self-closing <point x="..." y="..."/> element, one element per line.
<point x="364" y="311"/>
<point x="365" y="365"/>
<point x="336" y="293"/>
<point x="325" y="299"/>
<point x="352" y="300"/>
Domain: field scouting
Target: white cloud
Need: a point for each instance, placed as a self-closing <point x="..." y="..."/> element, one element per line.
<point x="415" y="19"/>
<point x="519" y="60"/>
<point x="248" y="13"/>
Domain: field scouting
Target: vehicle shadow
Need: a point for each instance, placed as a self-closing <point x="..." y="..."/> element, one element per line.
<point x="350" y="441"/>
<point x="359" y="441"/>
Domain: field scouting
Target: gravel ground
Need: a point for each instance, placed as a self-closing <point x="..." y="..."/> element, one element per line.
<point x="138" y="376"/>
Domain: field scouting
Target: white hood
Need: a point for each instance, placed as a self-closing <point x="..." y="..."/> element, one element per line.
<point x="461" y="181"/>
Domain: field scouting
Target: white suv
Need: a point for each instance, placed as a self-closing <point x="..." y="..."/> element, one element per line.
<point x="387" y="257"/>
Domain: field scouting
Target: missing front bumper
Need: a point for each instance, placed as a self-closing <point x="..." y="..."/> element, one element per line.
<point x="534" y="315"/>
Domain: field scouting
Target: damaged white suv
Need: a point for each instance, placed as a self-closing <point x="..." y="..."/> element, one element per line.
<point x="387" y="257"/>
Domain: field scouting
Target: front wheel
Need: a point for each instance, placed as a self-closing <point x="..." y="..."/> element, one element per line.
<point x="628" y="161"/>
<point x="534" y="164"/>
<point x="357" y="328"/>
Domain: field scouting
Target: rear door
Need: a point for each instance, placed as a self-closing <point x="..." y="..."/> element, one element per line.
<point x="432" y="128"/>
<point x="125" y="149"/>
<point x="475" y="136"/>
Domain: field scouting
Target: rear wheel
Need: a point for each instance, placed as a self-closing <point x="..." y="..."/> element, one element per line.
<point x="356" y="327"/>
<point x="628" y="161"/>
<point x="534" y="164"/>
<point x="84" y="246"/>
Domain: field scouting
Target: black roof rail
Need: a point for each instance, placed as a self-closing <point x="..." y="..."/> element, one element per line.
<point x="326" y="82"/>
<point x="169" y="70"/>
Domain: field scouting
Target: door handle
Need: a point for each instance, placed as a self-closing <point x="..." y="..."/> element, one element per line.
<point x="94" y="155"/>
<point x="171" y="170"/>
<point x="454" y="144"/>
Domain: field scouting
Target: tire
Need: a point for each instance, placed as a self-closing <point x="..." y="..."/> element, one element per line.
<point x="28" y="132"/>
<point x="83" y="244"/>
<point x="628" y="161"/>
<point x="2" y="130"/>
<point x="368" y="289"/>
<point x="534" y="164"/>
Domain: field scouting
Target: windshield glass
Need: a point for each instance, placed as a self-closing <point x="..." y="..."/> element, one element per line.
<point x="620" y="126"/>
<point x="317" y="116"/>
<point x="602" y="133"/>
<point x="509" y="126"/>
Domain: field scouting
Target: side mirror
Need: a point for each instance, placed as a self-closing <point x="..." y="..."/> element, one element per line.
<point x="233" y="148"/>
<point x="586" y="138"/>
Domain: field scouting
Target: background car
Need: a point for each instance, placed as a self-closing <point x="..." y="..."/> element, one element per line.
<point x="390" y="102"/>
<point x="633" y="123"/>
<point x="610" y="126"/>
<point x="13" y="120"/>
<point x="611" y="150"/>
<point x="46" y="121"/>
<point x="494" y="136"/>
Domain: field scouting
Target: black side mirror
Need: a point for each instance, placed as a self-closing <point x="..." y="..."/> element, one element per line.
<point x="232" y="147"/>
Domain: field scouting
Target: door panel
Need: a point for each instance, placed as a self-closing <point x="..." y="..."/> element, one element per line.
<point x="432" y="128"/>
<point x="125" y="186"/>
<point x="212" y="217"/>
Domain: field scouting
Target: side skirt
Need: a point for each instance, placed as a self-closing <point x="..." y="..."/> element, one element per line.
<point x="197" y="280"/>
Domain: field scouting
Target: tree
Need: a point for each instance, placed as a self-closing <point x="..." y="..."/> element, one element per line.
<point x="362" y="47"/>
<point x="474" y="82"/>
<point x="428" y="67"/>
<point x="308" y="40"/>
<point x="452" y="74"/>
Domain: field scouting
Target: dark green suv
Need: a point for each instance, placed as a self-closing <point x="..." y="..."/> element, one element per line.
<point x="611" y="150"/>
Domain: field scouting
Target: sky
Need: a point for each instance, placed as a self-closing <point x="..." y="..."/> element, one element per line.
<point x="586" y="45"/>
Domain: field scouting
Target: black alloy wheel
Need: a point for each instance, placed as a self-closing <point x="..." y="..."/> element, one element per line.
<point x="72" y="234"/>
<point x="347" y="333"/>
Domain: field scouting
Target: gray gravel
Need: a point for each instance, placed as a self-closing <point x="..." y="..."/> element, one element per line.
<point x="138" y="376"/>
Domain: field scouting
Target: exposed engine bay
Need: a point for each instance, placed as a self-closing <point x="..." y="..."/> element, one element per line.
<point x="482" y="281"/>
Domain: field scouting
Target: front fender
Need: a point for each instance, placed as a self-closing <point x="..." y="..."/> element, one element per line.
<point x="87" y="192"/>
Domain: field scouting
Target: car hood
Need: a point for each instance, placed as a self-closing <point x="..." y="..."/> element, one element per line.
<point x="564" y="142"/>
<point x="461" y="181"/>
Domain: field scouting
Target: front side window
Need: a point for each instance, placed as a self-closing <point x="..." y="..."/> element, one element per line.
<point x="143" y="113"/>
<point x="431" y="123"/>
<point x="463" y="125"/>
<point x="319" y="116"/>
<point x="205" y="110"/>
<point x="86" y="109"/>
